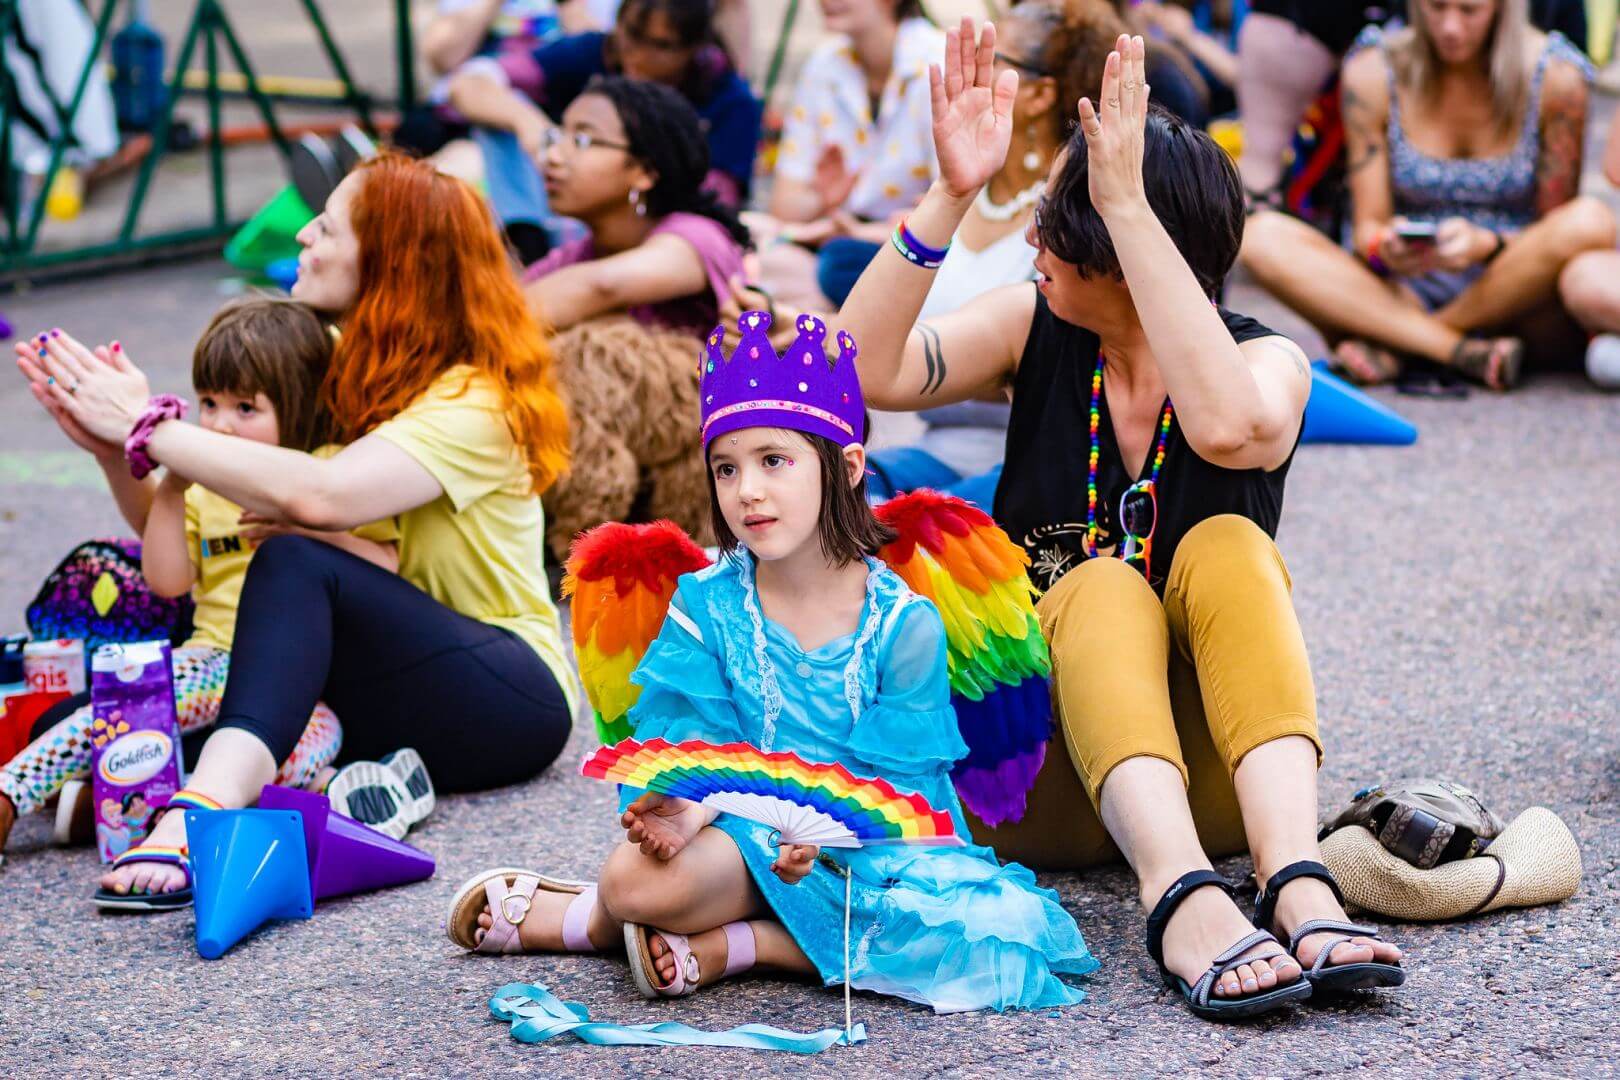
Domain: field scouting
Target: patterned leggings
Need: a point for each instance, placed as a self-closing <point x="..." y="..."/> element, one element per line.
<point x="63" y="752"/>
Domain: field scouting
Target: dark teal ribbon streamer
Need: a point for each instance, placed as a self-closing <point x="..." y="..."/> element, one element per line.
<point x="537" y="1015"/>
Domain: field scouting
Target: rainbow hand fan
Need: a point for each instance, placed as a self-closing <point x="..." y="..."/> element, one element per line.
<point x="621" y="578"/>
<point x="806" y="802"/>
<point x="951" y="552"/>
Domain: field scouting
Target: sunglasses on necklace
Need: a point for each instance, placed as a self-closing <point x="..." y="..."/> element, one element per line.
<point x="1138" y="515"/>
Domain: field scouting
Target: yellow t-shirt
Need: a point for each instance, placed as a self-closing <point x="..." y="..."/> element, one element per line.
<point x="220" y="556"/>
<point x="478" y="548"/>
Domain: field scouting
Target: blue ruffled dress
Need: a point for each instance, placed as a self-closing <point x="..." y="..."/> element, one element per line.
<point x="947" y="927"/>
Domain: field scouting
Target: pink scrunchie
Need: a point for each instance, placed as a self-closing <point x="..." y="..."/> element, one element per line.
<point x="160" y="408"/>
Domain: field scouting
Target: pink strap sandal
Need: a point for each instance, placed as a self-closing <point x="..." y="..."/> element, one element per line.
<point x="740" y="956"/>
<point x="508" y="893"/>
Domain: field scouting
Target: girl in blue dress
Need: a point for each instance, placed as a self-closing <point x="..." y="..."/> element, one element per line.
<point x="798" y="639"/>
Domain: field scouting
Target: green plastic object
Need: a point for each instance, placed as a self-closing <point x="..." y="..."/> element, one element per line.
<point x="270" y="234"/>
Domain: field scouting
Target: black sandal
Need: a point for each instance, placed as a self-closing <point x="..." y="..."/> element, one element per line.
<point x="1495" y="362"/>
<point x="1197" y="995"/>
<point x="1332" y="978"/>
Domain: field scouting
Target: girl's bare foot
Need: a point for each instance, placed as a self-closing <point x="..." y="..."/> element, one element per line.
<point x="661" y="825"/>
<point x="152" y="877"/>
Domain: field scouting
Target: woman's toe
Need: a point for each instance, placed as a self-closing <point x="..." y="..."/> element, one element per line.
<point x="1350" y="953"/>
<point x="1230" y="985"/>
<point x="1264" y="976"/>
<point x="485" y="919"/>
<point x="479" y="935"/>
<point x="1248" y="978"/>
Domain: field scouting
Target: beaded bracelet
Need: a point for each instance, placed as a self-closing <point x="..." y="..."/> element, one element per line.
<point x="915" y="251"/>
<point x="1375" y="263"/>
<point x="160" y="408"/>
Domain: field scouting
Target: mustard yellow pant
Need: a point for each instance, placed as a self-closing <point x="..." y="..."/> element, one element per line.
<point x="1200" y="679"/>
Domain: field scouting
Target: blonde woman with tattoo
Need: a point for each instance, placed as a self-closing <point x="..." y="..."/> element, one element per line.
<point x="1463" y="134"/>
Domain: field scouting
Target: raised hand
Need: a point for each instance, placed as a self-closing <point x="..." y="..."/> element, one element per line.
<point x="972" y="115"/>
<point x="1115" y="135"/>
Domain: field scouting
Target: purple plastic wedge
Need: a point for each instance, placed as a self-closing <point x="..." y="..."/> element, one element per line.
<point x="346" y="856"/>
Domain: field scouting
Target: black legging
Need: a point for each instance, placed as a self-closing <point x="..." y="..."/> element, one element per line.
<point x="398" y="668"/>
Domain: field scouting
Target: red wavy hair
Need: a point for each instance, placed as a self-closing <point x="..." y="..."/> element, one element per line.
<point x="437" y="290"/>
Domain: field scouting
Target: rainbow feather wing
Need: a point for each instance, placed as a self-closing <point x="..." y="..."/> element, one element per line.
<point x="951" y="552"/>
<point x="807" y="802"/>
<point x="621" y="578"/>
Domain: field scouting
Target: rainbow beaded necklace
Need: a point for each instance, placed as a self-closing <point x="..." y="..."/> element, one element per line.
<point x="1096" y="452"/>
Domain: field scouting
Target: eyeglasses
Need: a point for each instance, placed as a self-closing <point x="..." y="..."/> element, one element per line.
<point x="1023" y="65"/>
<point x="1138" y="515"/>
<point x="579" y="140"/>
<point x="636" y="38"/>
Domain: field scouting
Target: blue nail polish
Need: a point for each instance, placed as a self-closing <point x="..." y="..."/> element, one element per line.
<point x="50" y="380"/>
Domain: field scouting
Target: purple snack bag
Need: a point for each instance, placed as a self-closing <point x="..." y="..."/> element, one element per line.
<point x="136" y="735"/>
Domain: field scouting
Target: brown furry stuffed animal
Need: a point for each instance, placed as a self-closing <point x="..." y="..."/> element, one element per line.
<point x="632" y="396"/>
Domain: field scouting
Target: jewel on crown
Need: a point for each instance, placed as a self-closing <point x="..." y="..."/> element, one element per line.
<point x="803" y="389"/>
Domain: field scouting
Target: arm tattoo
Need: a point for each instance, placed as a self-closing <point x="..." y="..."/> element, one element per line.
<point x="1363" y="140"/>
<point x="934" y="357"/>
<point x="1563" y="122"/>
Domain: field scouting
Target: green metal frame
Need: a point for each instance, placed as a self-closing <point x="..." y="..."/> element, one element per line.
<point x="18" y="255"/>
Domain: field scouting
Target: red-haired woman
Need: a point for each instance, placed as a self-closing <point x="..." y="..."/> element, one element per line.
<point x="442" y="384"/>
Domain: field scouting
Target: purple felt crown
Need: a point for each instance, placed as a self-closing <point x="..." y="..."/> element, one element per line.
<point x="802" y="389"/>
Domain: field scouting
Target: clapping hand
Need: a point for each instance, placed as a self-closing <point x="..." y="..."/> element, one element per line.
<point x="95" y="396"/>
<point x="972" y="115"/>
<point x="1115" y="135"/>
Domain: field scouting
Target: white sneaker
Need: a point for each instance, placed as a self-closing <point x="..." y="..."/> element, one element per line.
<point x="1603" y="361"/>
<point x="407" y="765"/>
<point x="372" y="794"/>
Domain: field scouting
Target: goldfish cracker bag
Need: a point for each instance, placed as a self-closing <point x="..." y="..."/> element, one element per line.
<point x="136" y="764"/>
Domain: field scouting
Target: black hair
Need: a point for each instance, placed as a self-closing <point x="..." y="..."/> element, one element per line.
<point x="693" y="23"/>
<point x="1192" y="186"/>
<point x="907" y="9"/>
<point x="847" y="527"/>
<point x="666" y="135"/>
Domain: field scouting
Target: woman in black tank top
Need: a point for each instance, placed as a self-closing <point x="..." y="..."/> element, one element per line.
<point x="1150" y="438"/>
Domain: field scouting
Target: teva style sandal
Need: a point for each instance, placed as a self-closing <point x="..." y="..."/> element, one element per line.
<point x="1365" y="363"/>
<point x="1198" y="994"/>
<point x="1496" y="362"/>
<point x="1325" y="976"/>
<point x="644" y="968"/>
<point x="372" y="794"/>
<point x="407" y="765"/>
<point x="508" y="893"/>
<point x="107" y="900"/>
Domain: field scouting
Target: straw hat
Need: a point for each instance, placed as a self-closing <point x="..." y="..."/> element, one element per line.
<point x="1534" y="861"/>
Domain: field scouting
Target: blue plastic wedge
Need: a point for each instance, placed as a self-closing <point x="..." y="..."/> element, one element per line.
<point x="248" y="867"/>
<point x="1339" y="413"/>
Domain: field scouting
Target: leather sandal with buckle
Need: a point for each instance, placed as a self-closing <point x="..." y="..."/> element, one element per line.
<point x="1198" y="995"/>
<point x="508" y="893"/>
<point x="1325" y="976"/>
<point x="688" y="976"/>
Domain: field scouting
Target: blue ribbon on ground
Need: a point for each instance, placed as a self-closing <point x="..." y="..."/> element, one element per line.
<point x="536" y="1015"/>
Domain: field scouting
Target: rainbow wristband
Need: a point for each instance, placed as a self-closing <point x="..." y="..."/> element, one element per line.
<point x="161" y="408"/>
<point x="915" y="251"/>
